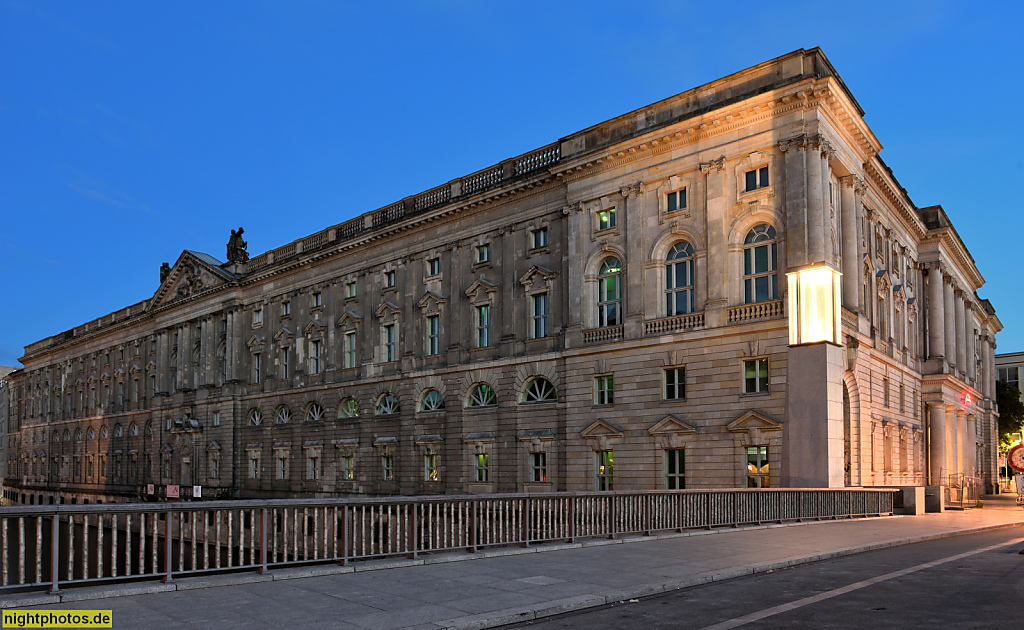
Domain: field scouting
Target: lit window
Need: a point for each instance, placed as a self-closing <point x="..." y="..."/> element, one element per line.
<point x="433" y="334"/>
<point x="606" y="219"/>
<point x="318" y="300"/>
<point x="315" y="356"/>
<point x="483" y="253"/>
<point x="757" y="467"/>
<point x="255" y="418"/>
<point x="483" y="326"/>
<point x="760" y="262"/>
<point x="540" y="390"/>
<point x="350" y="290"/>
<point x="540" y="316"/>
<point x="433" y="266"/>
<point x="539" y="466"/>
<point x="348" y="471"/>
<point x="675" y="200"/>
<point x="609" y="293"/>
<point x="349" y="408"/>
<point x="286" y="355"/>
<point x="482" y="396"/>
<point x="539" y="238"/>
<point x="430" y="467"/>
<point x="757" y="178"/>
<point x="387" y="464"/>
<point x="675" y="469"/>
<point x="286" y="309"/>
<point x="389" y="278"/>
<point x="604" y="470"/>
<point x="481" y="467"/>
<point x="350" y="349"/>
<point x="755" y="376"/>
<point x="675" y="383"/>
<point x="432" y="401"/>
<point x="603" y="390"/>
<point x="679" y="280"/>
<point x="390" y="347"/>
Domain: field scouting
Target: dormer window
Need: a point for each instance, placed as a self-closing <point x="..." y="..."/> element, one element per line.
<point x="755" y="179"/>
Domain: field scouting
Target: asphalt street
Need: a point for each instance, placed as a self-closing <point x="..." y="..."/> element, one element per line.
<point x="970" y="581"/>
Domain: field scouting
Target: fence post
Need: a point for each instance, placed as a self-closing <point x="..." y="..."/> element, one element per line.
<point x="472" y="526"/>
<point x="572" y="518"/>
<point x="54" y="555"/>
<point x="263" y="541"/>
<point x="611" y="515"/>
<point x="414" y="534"/>
<point x="526" y="522"/>
<point x="168" y="559"/>
<point x="650" y="508"/>
<point x="344" y="535"/>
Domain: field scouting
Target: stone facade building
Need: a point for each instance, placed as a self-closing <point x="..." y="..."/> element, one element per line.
<point x="623" y="308"/>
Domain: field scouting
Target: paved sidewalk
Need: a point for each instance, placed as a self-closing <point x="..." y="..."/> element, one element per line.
<point x="507" y="585"/>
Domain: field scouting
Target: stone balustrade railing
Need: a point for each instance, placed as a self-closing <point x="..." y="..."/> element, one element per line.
<point x="606" y="333"/>
<point x="676" y="323"/>
<point x="755" y="311"/>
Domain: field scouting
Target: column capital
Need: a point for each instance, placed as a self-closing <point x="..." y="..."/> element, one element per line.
<point x="637" y="188"/>
<point x="798" y="142"/>
<point x="853" y="181"/>
<point x="718" y="165"/>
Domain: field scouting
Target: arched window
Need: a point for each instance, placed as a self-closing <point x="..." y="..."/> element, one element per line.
<point x="91" y="434"/>
<point x="149" y="429"/>
<point x="67" y="435"/>
<point x="284" y="415"/>
<point x="315" y="413"/>
<point x="539" y="390"/>
<point x="133" y="430"/>
<point x="103" y="432"/>
<point x="482" y="396"/>
<point x="255" y="418"/>
<point x="760" y="262"/>
<point x="387" y="405"/>
<point x="609" y="293"/>
<point x="56" y="437"/>
<point x="118" y="430"/>
<point x="348" y="408"/>
<point x="432" y="401"/>
<point x="679" y="280"/>
<point x="78" y="435"/>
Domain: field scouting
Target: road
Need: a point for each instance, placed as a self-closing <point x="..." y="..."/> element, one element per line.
<point x="971" y="581"/>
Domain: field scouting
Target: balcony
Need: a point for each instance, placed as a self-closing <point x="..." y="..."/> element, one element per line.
<point x="756" y="311"/>
<point x="606" y="333"/>
<point x="676" y="323"/>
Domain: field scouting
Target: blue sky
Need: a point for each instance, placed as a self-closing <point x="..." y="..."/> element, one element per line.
<point x="130" y="131"/>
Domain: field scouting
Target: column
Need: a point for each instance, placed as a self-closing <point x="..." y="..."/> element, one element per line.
<point x="936" y="316"/>
<point x="952" y="442"/>
<point x="717" y="219"/>
<point x="937" y="446"/>
<point x="815" y="202"/>
<point x="972" y="449"/>
<point x="229" y="358"/>
<point x="632" y="227"/>
<point x="794" y="153"/>
<point x="573" y="316"/>
<point x="848" y="212"/>
<point x="964" y="441"/>
<point x="950" y="321"/>
<point x="972" y="347"/>
<point x="185" y="357"/>
<point x="161" y="361"/>
<point x="961" y="335"/>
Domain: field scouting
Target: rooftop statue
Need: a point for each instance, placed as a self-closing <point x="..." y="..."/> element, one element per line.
<point x="236" y="247"/>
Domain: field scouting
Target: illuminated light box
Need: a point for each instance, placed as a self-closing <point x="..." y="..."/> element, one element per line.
<point x="814" y="307"/>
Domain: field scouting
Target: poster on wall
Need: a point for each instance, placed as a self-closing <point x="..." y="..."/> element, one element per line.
<point x="172" y="492"/>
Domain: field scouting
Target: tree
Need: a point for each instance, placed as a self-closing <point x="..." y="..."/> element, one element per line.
<point x="1011" y="413"/>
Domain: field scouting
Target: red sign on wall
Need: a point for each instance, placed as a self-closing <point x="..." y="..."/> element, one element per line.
<point x="172" y="492"/>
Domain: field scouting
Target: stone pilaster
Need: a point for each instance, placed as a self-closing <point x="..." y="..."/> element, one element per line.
<point x="949" y="305"/>
<point x="717" y="217"/>
<point x="849" y="212"/>
<point x="936" y="316"/>
<point x="961" y="335"/>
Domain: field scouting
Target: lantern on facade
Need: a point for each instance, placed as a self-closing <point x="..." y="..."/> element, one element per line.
<point x="814" y="307"/>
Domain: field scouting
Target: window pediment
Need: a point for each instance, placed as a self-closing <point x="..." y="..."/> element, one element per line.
<point x="256" y="343"/>
<point x="753" y="420"/>
<point x="481" y="292"/>
<point x="284" y="337"/>
<point x="387" y="310"/>
<point x="538" y="279"/>
<point x="314" y="329"/>
<point x="431" y="303"/>
<point x="672" y="424"/>
<point x="214" y="446"/>
<point x="349" y="319"/>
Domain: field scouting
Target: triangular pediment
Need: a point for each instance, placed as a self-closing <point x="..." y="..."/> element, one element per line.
<point x="431" y="302"/>
<point x="214" y="446"/>
<point x="256" y="343"/>
<point x="386" y="309"/>
<point x="753" y="420"/>
<point x="348" y="318"/>
<point x="481" y="291"/>
<point x="536" y="275"/>
<point x="192" y="274"/>
<point x="671" y="424"/>
<point x="601" y="428"/>
<point x="285" y="334"/>
<point x="314" y="327"/>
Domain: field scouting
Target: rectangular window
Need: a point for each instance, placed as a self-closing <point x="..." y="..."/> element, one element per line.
<point x="313" y="467"/>
<point x="315" y="355"/>
<point x="540" y="316"/>
<point x="433" y="266"/>
<point x="757" y="178"/>
<point x="390" y="351"/>
<point x="676" y="200"/>
<point x="152" y="386"/>
<point x="135" y="391"/>
<point x="483" y="253"/>
<point x="256" y="364"/>
<point x="257" y="317"/>
<point x="214" y="468"/>
<point x="350" y="349"/>
<point x="286" y="309"/>
<point x="216" y="418"/>
<point x="539" y="238"/>
<point x="885" y="392"/>
<point x="757" y="467"/>
<point x="389" y="278"/>
<point x="604" y="390"/>
<point x="387" y="464"/>
<point x="604" y="470"/>
<point x="482" y="467"/>
<point x="903" y="399"/>
<point x="282" y="467"/>
<point x="430" y="467"/>
<point x="755" y="376"/>
<point x="254" y="468"/>
<point x="350" y="290"/>
<point x="675" y="469"/>
<point x="347" y="472"/>
<point x="286" y="359"/>
<point x="318" y="300"/>
<point x="483" y="326"/>
<point x="675" y="383"/>
<point x="606" y="219"/>
<point x="539" y="467"/>
<point x="433" y="334"/>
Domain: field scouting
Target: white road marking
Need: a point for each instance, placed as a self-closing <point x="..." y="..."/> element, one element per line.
<point x="781" y="608"/>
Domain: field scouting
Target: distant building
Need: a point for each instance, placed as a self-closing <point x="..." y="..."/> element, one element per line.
<point x="1010" y="367"/>
<point x="724" y="288"/>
